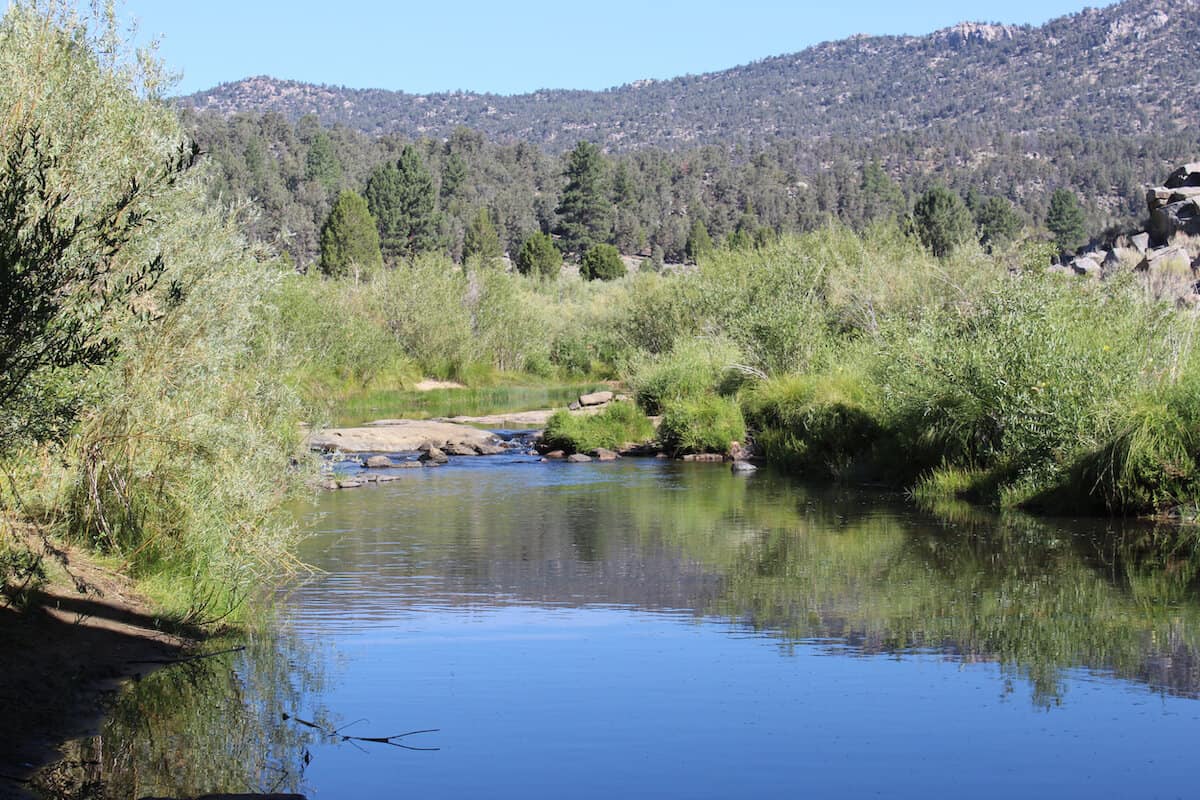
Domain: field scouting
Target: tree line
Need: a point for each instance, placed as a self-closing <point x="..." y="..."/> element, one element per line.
<point x="469" y="197"/>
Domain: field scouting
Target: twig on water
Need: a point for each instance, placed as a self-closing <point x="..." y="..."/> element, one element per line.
<point x="389" y="740"/>
<point x="188" y="659"/>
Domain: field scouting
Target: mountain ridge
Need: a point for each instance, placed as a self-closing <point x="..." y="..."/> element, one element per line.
<point x="1072" y="71"/>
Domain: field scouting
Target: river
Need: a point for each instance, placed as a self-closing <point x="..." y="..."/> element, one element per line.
<point x="649" y="628"/>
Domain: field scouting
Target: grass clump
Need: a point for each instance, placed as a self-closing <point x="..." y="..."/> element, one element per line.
<point x="618" y="424"/>
<point x="692" y="368"/>
<point x="705" y="424"/>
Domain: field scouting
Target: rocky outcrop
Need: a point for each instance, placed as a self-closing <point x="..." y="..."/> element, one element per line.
<point x="1175" y="206"/>
<point x="397" y="436"/>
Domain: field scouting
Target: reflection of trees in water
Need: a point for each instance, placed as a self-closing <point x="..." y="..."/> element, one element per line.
<point x="1037" y="598"/>
<point x="210" y="725"/>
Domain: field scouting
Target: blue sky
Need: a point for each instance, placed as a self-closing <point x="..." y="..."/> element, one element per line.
<point x="513" y="47"/>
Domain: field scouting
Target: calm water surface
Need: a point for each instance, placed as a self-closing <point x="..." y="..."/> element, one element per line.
<point x="653" y="629"/>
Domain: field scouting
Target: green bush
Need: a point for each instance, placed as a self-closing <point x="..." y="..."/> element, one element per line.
<point x="602" y="262"/>
<point x="538" y="257"/>
<point x="705" y="424"/>
<point x="619" y="423"/>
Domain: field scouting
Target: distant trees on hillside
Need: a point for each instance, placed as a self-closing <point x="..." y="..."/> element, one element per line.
<point x="649" y="202"/>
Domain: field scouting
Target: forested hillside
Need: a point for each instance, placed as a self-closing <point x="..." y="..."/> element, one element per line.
<point x="1100" y="102"/>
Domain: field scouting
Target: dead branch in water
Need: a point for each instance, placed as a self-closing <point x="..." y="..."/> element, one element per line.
<point x="389" y="740"/>
<point x="189" y="659"/>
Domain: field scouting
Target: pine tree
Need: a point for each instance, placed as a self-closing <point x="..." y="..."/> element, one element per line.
<point x="942" y="221"/>
<point x="481" y="241"/>
<point x="321" y="164"/>
<point x="699" y="243"/>
<point x="349" y="239"/>
<point x="998" y="223"/>
<point x="1064" y="219"/>
<point x="584" y="207"/>
<point x="402" y="199"/>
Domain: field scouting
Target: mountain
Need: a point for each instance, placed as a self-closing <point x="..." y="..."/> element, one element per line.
<point x="1124" y="67"/>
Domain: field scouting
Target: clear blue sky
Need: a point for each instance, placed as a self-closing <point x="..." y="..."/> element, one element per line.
<point x="513" y="47"/>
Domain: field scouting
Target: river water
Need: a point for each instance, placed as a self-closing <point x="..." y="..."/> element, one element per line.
<point x="657" y="629"/>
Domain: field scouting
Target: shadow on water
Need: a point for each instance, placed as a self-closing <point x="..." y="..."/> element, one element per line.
<point x="203" y="726"/>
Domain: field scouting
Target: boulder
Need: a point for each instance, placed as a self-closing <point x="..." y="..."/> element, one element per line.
<point x="603" y="454"/>
<point x="579" y="458"/>
<point x="432" y="455"/>
<point x="379" y="477"/>
<point x="1085" y="265"/>
<point x="1173" y="218"/>
<point x="595" y="399"/>
<point x="705" y="457"/>
<point x="459" y="449"/>
<point x="378" y="462"/>
<point x="575" y="406"/>
<point x="1172" y="260"/>
<point x="1140" y="242"/>
<point x="1186" y="193"/>
<point x="350" y="483"/>
<point x="742" y="467"/>
<point x="554" y="455"/>
<point x="492" y="449"/>
<point x="1186" y="175"/>
<point x="1157" y="197"/>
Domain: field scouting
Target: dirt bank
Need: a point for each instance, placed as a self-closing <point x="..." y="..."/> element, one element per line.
<point x="83" y="634"/>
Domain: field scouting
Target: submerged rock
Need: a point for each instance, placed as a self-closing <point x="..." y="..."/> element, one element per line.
<point x="603" y="454"/>
<point x="742" y="467"/>
<point x="578" y="458"/>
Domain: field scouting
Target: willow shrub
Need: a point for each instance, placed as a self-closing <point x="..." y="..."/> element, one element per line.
<point x="178" y="463"/>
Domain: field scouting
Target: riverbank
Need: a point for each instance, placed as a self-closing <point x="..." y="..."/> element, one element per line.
<point x="83" y="633"/>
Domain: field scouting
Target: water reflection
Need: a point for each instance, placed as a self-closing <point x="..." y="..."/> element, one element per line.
<point x="799" y="563"/>
<point x="202" y="726"/>
<point x="668" y="629"/>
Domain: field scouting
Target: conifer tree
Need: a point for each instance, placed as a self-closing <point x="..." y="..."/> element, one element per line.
<point x="539" y="257"/>
<point x="402" y="199"/>
<point x="584" y="207"/>
<point x="942" y="221"/>
<point x="699" y="243"/>
<point x="349" y="239"/>
<point x="1064" y="219"/>
<point x="481" y="241"/>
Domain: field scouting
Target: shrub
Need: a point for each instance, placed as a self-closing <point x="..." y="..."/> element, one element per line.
<point x="701" y="425"/>
<point x="602" y="262"/>
<point x="538" y="257"/>
<point x="618" y="424"/>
